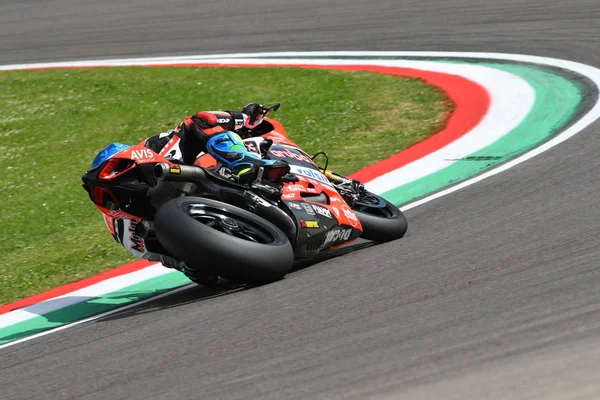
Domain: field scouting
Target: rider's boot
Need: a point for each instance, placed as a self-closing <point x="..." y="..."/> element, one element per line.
<point x="229" y="150"/>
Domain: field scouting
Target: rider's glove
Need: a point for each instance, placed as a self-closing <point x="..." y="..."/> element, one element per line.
<point x="254" y="115"/>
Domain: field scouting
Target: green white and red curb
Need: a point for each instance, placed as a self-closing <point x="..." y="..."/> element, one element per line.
<point x="509" y="109"/>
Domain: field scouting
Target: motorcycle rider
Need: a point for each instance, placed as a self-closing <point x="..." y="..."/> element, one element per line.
<point x="217" y="133"/>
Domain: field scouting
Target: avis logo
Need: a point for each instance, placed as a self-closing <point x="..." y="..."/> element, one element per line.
<point x="144" y="154"/>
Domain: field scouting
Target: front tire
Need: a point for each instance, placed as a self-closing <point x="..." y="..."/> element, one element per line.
<point x="381" y="220"/>
<point x="225" y="239"/>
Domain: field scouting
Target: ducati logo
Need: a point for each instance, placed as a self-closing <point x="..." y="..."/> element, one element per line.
<point x="337" y="235"/>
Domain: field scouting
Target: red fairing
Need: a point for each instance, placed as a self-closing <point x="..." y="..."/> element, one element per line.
<point x="114" y="168"/>
<point x="337" y="207"/>
<point x="278" y="134"/>
<point x="277" y="137"/>
<point x="206" y="161"/>
<point x="116" y="214"/>
<point x="117" y="166"/>
<point x="347" y="216"/>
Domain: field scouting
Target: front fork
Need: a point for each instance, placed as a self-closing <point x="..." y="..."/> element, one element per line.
<point x="349" y="189"/>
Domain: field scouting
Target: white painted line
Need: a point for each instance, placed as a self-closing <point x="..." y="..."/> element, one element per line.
<point x="512" y="100"/>
<point x="572" y="131"/>
<point x="87" y="293"/>
<point x="590" y="72"/>
<point x="95" y="317"/>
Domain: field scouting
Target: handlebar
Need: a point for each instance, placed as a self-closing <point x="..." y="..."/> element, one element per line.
<point x="335" y="178"/>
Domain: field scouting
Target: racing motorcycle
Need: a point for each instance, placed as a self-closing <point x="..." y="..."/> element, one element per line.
<point x="249" y="233"/>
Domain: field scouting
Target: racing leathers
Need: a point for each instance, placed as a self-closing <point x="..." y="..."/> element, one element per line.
<point x="217" y="133"/>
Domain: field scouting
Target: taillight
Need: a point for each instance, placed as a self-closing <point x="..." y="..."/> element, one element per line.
<point x="98" y="195"/>
<point x="102" y="196"/>
<point x="114" y="168"/>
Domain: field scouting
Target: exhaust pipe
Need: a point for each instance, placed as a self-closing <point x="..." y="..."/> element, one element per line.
<point x="178" y="173"/>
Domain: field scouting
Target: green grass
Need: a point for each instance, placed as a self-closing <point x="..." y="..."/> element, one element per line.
<point x="53" y="122"/>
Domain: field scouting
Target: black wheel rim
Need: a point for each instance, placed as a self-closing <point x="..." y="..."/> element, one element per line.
<point x="372" y="204"/>
<point x="371" y="200"/>
<point x="232" y="224"/>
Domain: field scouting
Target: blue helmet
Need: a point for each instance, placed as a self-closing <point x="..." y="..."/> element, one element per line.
<point x="108" y="152"/>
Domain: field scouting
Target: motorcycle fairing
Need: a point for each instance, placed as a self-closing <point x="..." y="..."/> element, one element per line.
<point x="316" y="228"/>
<point x="108" y="190"/>
<point x="322" y="216"/>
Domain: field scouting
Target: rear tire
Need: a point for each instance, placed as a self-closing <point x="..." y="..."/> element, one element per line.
<point x="381" y="220"/>
<point x="225" y="239"/>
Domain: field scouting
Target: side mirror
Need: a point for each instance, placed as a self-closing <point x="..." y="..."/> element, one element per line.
<point x="274" y="107"/>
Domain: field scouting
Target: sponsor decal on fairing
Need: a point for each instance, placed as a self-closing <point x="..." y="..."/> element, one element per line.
<point x="137" y="243"/>
<point x="308" y="208"/>
<point x="349" y="213"/>
<point x="309" y="224"/>
<point x="286" y="153"/>
<point x="322" y="211"/>
<point x="116" y="214"/>
<point x="336" y="211"/>
<point x="142" y="155"/>
<point x="294" y="188"/>
<point x="337" y="235"/>
<point x="295" y="205"/>
<point x="310" y="173"/>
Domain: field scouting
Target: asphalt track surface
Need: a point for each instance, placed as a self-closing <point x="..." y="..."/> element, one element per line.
<point x="492" y="294"/>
